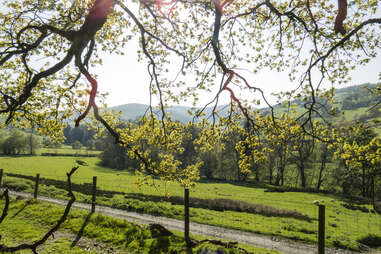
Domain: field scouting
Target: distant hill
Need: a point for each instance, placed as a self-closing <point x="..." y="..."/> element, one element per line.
<point x="133" y="111"/>
<point x="354" y="101"/>
<point x="351" y="103"/>
<point x="358" y="103"/>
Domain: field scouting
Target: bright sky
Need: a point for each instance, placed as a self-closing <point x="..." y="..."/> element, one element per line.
<point x="127" y="81"/>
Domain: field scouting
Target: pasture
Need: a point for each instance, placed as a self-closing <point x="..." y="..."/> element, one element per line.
<point x="102" y="234"/>
<point x="347" y="222"/>
<point x="65" y="149"/>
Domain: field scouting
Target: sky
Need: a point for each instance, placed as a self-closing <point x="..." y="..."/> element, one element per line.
<point x="127" y="81"/>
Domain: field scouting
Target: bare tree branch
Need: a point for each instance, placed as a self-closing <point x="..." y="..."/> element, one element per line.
<point x="33" y="246"/>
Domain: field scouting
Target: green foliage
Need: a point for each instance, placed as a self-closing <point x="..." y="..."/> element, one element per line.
<point x="16" y="142"/>
<point x="76" y="145"/>
<point x="81" y="134"/>
<point x="115" y="156"/>
<point x="159" y="146"/>
<point x="360" y="152"/>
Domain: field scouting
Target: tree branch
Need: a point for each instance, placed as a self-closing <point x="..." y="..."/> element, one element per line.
<point x="33" y="246"/>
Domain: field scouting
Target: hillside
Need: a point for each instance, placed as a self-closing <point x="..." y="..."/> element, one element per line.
<point x="351" y="103"/>
<point x="133" y="111"/>
<point x="358" y="102"/>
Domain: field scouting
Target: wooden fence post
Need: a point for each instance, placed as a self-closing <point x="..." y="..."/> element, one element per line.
<point x="36" y="185"/>
<point x="1" y="177"/>
<point x="94" y="194"/>
<point x="186" y="217"/>
<point x="321" y="229"/>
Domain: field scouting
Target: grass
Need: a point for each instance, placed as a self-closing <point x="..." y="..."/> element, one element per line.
<point x="66" y="150"/>
<point x="103" y="234"/>
<point x="344" y="226"/>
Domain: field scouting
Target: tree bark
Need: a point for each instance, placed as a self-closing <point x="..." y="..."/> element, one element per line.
<point x="322" y="166"/>
<point x="302" y="175"/>
<point x="271" y="165"/>
<point x="301" y="168"/>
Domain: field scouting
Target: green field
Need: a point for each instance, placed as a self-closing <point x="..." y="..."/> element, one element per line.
<point x="66" y="150"/>
<point x="102" y="234"/>
<point x="344" y="226"/>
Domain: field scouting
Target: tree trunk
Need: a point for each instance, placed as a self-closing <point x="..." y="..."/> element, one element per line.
<point x="255" y="169"/>
<point x="322" y="167"/>
<point x="363" y="190"/>
<point x="244" y="177"/>
<point x="282" y="175"/>
<point x="372" y="193"/>
<point x="302" y="176"/>
<point x="277" y="179"/>
<point x="301" y="168"/>
<point x="31" y="142"/>
<point x="236" y="159"/>
<point x="271" y="174"/>
<point x="257" y="173"/>
<point x="271" y="166"/>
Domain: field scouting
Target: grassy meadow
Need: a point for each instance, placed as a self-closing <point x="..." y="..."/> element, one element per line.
<point x="101" y="234"/>
<point x="345" y="226"/>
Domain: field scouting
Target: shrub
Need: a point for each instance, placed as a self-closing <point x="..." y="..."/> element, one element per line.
<point x="76" y="145"/>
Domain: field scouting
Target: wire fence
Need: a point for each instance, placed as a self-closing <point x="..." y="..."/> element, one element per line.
<point x="347" y="226"/>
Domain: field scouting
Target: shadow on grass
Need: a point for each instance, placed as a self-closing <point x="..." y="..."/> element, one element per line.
<point x="218" y="204"/>
<point x="223" y="204"/>
<point x="104" y="169"/>
<point x="247" y="184"/>
<point x="80" y="232"/>
<point x="27" y="203"/>
<point x="85" y="188"/>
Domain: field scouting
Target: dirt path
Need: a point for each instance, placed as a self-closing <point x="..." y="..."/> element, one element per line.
<point x="273" y="243"/>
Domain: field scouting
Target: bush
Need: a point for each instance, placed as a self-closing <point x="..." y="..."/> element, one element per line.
<point x="76" y="145"/>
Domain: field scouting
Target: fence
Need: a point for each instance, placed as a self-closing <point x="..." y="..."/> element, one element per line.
<point x="323" y="224"/>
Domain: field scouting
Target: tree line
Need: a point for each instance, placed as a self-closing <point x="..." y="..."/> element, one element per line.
<point x="343" y="158"/>
<point x="16" y="142"/>
<point x="279" y="151"/>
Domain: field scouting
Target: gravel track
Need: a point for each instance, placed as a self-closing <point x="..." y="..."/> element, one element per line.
<point x="274" y="243"/>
